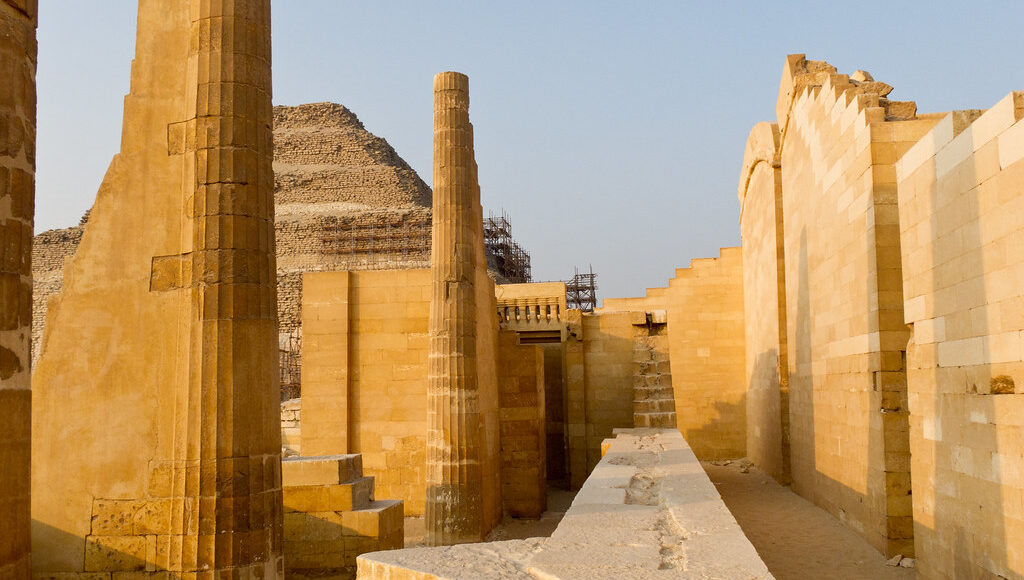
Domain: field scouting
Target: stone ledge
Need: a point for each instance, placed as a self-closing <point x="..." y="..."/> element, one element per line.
<point x="647" y="511"/>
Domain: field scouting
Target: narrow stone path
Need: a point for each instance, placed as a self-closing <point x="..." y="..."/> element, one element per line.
<point x="795" y="538"/>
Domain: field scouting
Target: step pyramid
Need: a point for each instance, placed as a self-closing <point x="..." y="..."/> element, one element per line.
<point x="331" y="516"/>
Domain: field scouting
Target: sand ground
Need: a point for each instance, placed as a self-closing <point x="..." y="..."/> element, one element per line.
<point x="795" y="538"/>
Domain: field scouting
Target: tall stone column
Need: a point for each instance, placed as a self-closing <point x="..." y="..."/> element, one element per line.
<point x="233" y="377"/>
<point x="17" y="194"/>
<point x="454" y="472"/>
<point x="160" y="355"/>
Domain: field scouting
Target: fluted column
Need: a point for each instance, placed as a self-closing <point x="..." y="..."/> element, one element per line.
<point x="454" y="474"/>
<point x="17" y="194"/>
<point x="232" y="433"/>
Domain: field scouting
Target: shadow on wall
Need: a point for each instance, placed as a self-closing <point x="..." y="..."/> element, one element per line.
<point x="767" y="411"/>
<point x="715" y="440"/>
<point x="608" y="355"/>
<point x="851" y="506"/>
<point x="108" y="553"/>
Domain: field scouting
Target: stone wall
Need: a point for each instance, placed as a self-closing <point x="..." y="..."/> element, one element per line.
<point x="607" y="386"/>
<point x="364" y="386"/>
<point x="17" y="209"/>
<point x="961" y="209"/>
<point x="764" y="296"/>
<point x="841" y="138"/>
<point x="521" y="414"/>
<point x="706" y="346"/>
<point x="365" y="381"/>
<point x="704" y="312"/>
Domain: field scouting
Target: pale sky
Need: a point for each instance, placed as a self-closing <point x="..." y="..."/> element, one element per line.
<point x="611" y="132"/>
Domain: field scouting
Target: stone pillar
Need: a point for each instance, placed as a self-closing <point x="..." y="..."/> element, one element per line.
<point x="233" y="378"/>
<point x="160" y="355"/>
<point x="454" y="473"/>
<point x="17" y="193"/>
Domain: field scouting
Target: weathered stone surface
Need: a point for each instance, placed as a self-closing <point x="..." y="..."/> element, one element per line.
<point x="764" y="291"/>
<point x="454" y="502"/>
<point x="331" y="517"/>
<point x="849" y="442"/>
<point x="17" y="211"/>
<point x="521" y="412"/>
<point x="164" y="334"/>
<point x="647" y="511"/>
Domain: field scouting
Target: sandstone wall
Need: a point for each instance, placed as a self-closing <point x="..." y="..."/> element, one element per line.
<point x="365" y="380"/>
<point x="961" y="209"/>
<point x="764" y="300"/>
<point x="706" y="347"/>
<point x="17" y="208"/>
<point x="844" y="314"/>
<point x="704" y="312"/>
<point x="521" y="416"/>
<point x="607" y="385"/>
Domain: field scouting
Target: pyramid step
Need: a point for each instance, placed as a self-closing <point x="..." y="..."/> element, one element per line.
<point x="321" y="470"/>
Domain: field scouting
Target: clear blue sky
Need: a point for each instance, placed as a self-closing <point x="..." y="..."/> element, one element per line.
<point x="611" y="132"/>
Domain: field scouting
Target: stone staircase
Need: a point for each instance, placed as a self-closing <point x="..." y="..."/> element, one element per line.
<point x="331" y="517"/>
<point x="654" y="402"/>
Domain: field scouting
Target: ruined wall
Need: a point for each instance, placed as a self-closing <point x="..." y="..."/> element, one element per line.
<point x="164" y="334"/>
<point x="17" y="210"/>
<point x="844" y="314"/>
<point x="960" y="206"/>
<point x="521" y="418"/>
<point x="764" y="300"/>
<point x="365" y="380"/>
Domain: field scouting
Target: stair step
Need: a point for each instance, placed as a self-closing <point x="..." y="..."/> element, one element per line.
<point x="343" y="497"/>
<point x="321" y="470"/>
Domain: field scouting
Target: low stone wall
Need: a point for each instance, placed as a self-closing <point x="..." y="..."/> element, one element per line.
<point x="648" y="510"/>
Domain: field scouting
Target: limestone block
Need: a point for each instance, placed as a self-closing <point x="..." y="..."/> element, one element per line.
<point x="323" y="498"/>
<point x="321" y="470"/>
<point x="115" y="553"/>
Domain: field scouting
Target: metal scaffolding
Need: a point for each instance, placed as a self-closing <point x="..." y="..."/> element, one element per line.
<point x="581" y="291"/>
<point x="385" y="241"/>
<point x="368" y="243"/>
<point x="290" y="351"/>
<point x="510" y="260"/>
